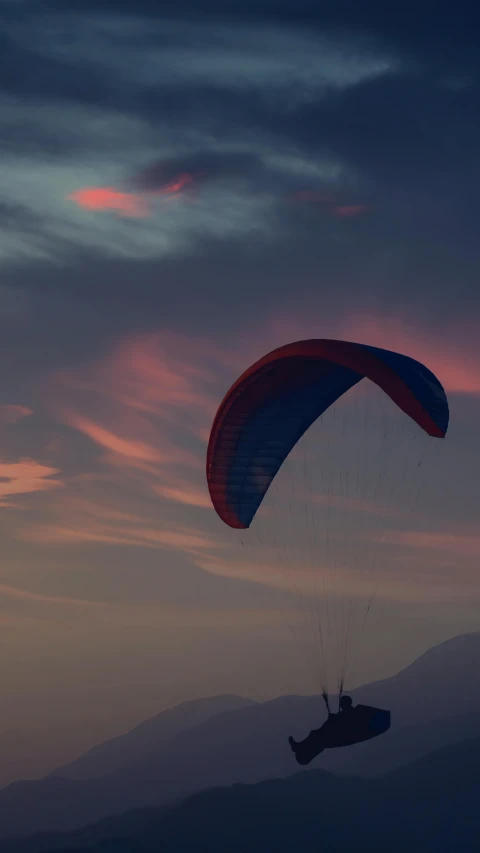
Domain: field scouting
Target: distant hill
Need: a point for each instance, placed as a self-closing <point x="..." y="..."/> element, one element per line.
<point x="443" y="681"/>
<point x="406" y="744"/>
<point x="429" y="806"/>
<point x="248" y="744"/>
<point x="123" y="826"/>
<point x="147" y="736"/>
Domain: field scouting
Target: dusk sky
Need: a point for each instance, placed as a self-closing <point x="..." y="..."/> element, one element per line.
<point x="184" y="187"/>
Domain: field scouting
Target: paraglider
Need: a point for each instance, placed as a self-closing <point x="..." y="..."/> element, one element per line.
<point x="263" y="416"/>
<point x="351" y="725"/>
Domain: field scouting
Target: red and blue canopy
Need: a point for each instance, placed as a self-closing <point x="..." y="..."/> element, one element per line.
<point x="270" y="407"/>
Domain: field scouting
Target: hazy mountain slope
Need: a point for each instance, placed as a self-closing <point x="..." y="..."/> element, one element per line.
<point x="151" y="734"/>
<point x="409" y="743"/>
<point x="431" y="805"/>
<point x="128" y="824"/>
<point x="442" y="681"/>
<point x="249" y="744"/>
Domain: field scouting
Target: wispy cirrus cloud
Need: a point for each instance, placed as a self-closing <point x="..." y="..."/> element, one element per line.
<point x="118" y="445"/>
<point x="26" y="477"/>
<point x="317" y="589"/>
<point x="7" y="591"/>
<point x="463" y="545"/>
<point x="11" y="414"/>
<point x="27" y="606"/>
<point x="137" y="532"/>
<point x="145" y="408"/>
<point x="452" y="355"/>
<point x="148" y="406"/>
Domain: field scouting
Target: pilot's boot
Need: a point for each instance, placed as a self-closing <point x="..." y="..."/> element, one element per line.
<point x="293" y="743"/>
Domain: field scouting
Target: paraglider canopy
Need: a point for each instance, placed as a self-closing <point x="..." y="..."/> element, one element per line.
<point x="345" y="503"/>
<point x="277" y="399"/>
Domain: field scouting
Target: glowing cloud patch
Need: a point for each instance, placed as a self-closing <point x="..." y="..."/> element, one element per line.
<point x="25" y="477"/>
<point x="108" y="198"/>
<point x="175" y="186"/>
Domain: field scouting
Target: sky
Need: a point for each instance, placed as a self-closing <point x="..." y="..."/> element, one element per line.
<point x="184" y="187"/>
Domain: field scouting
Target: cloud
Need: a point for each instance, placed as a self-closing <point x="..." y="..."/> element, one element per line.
<point x="11" y="414"/>
<point x="25" y="477"/>
<point x="119" y="446"/>
<point x="103" y="122"/>
<point x="449" y="41"/>
<point x="187" y="494"/>
<point x="138" y="533"/>
<point x="146" y="407"/>
<point x="449" y="354"/>
<point x="23" y="602"/>
<point x="129" y="204"/>
<point x="460" y="544"/>
<point x="347" y="211"/>
<point x="321" y="590"/>
<point x="7" y="591"/>
<point x="108" y="198"/>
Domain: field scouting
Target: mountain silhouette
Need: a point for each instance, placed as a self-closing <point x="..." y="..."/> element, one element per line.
<point x="406" y="744"/>
<point x="442" y="681"/>
<point x="248" y="744"/>
<point x="151" y="734"/>
<point x="430" y="805"/>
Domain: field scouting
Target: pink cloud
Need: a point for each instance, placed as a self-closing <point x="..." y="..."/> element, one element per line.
<point x="109" y="198"/>
<point x="453" y="354"/>
<point x="144" y="404"/>
<point x="11" y="414"/>
<point x="148" y="407"/>
<point x="25" y="477"/>
<point x="186" y="494"/>
<point x="7" y="591"/>
<point x="126" y="203"/>
<point x="89" y="530"/>
<point x="175" y="186"/>
<point x="464" y="545"/>
<point x="131" y="449"/>
<point x="448" y="356"/>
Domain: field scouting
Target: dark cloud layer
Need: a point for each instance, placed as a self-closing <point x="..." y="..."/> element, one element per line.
<point x="442" y="33"/>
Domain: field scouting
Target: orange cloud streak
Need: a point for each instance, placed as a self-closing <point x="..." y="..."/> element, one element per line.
<point x="186" y="495"/>
<point x="131" y="449"/>
<point x="25" y="477"/>
<point x="109" y="198"/>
